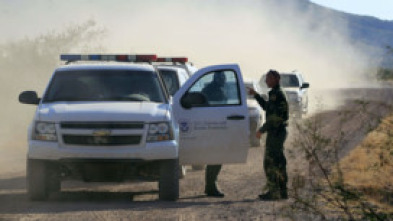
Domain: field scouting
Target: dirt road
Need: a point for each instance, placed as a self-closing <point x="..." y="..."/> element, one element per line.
<point x="139" y="201"/>
<point x="241" y="183"/>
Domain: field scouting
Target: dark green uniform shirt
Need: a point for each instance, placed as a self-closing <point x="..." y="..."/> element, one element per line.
<point x="276" y="109"/>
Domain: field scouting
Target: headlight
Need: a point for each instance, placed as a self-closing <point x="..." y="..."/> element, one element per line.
<point x="159" y="132"/>
<point x="163" y="128"/>
<point x="45" y="131"/>
<point x="153" y="129"/>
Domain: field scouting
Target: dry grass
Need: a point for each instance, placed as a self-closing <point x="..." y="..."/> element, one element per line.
<point x="369" y="167"/>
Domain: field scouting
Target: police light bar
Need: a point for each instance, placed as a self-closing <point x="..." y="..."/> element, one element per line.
<point x="177" y="59"/>
<point x="103" y="57"/>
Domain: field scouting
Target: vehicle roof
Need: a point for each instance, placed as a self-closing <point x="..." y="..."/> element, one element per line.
<point x="290" y="73"/>
<point x="249" y="81"/>
<point x="296" y="73"/>
<point x="188" y="67"/>
<point x="107" y="66"/>
<point x="165" y="67"/>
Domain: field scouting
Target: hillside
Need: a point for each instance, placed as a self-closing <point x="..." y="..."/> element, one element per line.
<point x="368" y="31"/>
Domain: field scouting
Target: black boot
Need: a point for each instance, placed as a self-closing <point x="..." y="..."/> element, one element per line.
<point x="213" y="191"/>
<point x="284" y="194"/>
<point x="270" y="195"/>
<point x="211" y="175"/>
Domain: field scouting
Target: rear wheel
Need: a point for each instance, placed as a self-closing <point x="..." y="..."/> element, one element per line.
<point x="182" y="171"/>
<point x="169" y="180"/>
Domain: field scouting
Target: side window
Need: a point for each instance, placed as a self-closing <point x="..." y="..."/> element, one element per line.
<point x="183" y="77"/>
<point x="220" y="88"/>
<point x="301" y="79"/>
<point x="171" y="80"/>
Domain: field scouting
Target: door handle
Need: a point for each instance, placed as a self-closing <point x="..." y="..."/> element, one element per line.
<point x="236" y="117"/>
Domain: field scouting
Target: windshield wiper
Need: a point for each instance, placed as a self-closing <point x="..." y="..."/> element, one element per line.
<point x="65" y="99"/>
<point x="129" y="98"/>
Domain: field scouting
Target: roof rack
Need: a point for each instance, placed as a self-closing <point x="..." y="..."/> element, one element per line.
<point x="177" y="62"/>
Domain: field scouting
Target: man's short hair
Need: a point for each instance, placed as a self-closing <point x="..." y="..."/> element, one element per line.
<point x="274" y="73"/>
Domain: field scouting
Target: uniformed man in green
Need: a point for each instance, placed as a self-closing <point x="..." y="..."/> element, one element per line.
<point x="274" y="163"/>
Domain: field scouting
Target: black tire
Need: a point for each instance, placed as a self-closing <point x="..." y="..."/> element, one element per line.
<point x="52" y="178"/>
<point x="37" y="180"/>
<point x="169" y="180"/>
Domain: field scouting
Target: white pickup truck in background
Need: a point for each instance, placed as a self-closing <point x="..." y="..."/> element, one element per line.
<point x="109" y="118"/>
<point x="255" y="112"/>
<point x="295" y="88"/>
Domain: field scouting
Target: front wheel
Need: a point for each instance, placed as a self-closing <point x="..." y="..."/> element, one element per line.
<point x="169" y="180"/>
<point x="37" y="180"/>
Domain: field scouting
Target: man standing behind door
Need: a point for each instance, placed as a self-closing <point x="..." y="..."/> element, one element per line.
<point x="214" y="92"/>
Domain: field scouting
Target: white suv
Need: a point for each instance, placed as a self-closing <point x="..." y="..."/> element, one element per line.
<point x="256" y="114"/>
<point x="174" y="71"/>
<point x="111" y="121"/>
<point x="295" y="88"/>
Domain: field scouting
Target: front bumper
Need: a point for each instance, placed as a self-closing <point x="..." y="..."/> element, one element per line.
<point x="149" y="151"/>
<point x="295" y="107"/>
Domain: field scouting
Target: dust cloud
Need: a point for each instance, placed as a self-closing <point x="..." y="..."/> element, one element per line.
<point x="258" y="35"/>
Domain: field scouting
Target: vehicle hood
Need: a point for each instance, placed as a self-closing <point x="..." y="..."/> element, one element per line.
<point x="103" y="111"/>
<point x="291" y="89"/>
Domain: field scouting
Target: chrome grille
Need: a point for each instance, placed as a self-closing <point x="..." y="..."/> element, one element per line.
<point x="101" y="140"/>
<point x="102" y="133"/>
<point x="102" y="125"/>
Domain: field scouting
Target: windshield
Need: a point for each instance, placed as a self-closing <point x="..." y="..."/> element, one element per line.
<point x="289" y="80"/>
<point x="170" y="80"/>
<point x="104" y="85"/>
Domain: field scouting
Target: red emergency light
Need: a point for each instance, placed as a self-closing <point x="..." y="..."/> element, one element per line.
<point x="176" y="59"/>
<point x="146" y="58"/>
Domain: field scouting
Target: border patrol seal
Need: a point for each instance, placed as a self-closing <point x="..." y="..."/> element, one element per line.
<point x="184" y="126"/>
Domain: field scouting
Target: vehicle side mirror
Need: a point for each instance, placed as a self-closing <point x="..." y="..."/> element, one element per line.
<point x="29" y="97"/>
<point x="305" y="85"/>
<point x="193" y="99"/>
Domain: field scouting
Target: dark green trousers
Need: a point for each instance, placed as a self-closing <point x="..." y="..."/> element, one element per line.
<point x="275" y="163"/>
<point x="211" y="175"/>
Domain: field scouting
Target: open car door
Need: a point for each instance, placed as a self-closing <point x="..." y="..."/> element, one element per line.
<point x="211" y="111"/>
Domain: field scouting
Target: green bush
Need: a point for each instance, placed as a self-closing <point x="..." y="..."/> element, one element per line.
<point x="385" y="74"/>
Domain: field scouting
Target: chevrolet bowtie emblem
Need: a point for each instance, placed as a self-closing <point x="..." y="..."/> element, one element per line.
<point x="102" y="133"/>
